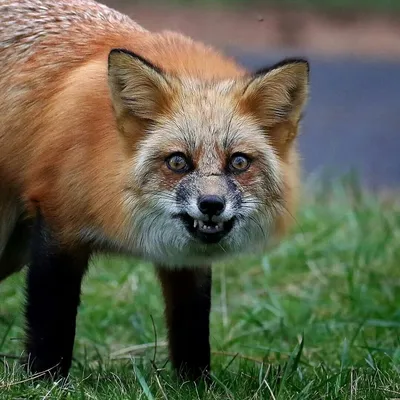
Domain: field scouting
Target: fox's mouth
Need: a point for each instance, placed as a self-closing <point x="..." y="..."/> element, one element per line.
<point x="207" y="231"/>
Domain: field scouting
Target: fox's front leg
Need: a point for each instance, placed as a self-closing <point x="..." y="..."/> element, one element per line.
<point x="53" y="294"/>
<point x="187" y="294"/>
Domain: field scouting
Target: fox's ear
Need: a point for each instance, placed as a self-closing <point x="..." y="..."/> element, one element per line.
<point x="279" y="93"/>
<point x="137" y="87"/>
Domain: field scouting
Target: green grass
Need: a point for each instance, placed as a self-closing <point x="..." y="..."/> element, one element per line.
<point x="316" y="318"/>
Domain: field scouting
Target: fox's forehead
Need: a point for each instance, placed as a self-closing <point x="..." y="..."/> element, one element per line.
<point x="208" y="116"/>
<point x="205" y="100"/>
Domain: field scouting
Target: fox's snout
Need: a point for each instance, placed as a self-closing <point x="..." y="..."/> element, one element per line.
<point x="211" y="205"/>
<point x="208" y="198"/>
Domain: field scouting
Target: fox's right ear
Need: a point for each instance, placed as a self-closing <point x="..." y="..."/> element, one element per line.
<point x="138" y="88"/>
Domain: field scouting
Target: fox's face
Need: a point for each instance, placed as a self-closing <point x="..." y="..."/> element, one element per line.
<point x="212" y="168"/>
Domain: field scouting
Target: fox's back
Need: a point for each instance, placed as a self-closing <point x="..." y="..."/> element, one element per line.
<point x="40" y="38"/>
<point x="30" y="26"/>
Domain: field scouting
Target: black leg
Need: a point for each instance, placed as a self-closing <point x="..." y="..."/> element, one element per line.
<point x="187" y="294"/>
<point x="16" y="253"/>
<point x="53" y="293"/>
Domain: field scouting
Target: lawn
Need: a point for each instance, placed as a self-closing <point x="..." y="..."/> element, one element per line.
<point x="316" y="318"/>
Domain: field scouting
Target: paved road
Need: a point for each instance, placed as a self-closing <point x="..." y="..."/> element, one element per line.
<point x="353" y="117"/>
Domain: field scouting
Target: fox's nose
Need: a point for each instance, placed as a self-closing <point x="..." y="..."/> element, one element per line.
<point x="211" y="205"/>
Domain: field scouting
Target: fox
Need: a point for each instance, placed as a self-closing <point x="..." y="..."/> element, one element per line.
<point x="118" y="140"/>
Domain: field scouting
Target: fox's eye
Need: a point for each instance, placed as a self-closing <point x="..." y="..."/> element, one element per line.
<point x="177" y="162"/>
<point x="239" y="162"/>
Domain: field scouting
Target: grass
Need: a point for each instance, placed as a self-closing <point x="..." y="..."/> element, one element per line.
<point x="316" y="318"/>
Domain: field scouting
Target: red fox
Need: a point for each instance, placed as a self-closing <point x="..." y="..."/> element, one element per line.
<point x="116" y="139"/>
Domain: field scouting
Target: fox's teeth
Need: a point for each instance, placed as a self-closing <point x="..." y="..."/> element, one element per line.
<point x="197" y="223"/>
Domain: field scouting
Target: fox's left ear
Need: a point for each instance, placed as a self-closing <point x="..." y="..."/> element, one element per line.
<point x="138" y="88"/>
<point x="279" y="93"/>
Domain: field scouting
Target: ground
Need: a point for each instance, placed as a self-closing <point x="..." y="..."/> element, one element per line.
<point x="316" y="318"/>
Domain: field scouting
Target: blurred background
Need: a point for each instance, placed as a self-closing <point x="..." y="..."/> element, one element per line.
<point x="352" y="122"/>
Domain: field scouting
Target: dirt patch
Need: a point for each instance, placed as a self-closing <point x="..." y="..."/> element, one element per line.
<point x="261" y="29"/>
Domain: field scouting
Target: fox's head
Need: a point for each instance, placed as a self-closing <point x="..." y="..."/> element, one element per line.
<point x="214" y="171"/>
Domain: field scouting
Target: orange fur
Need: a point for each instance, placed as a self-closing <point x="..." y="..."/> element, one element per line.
<point x="61" y="144"/>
